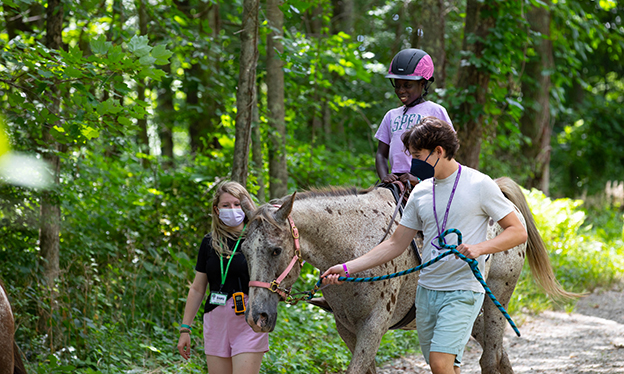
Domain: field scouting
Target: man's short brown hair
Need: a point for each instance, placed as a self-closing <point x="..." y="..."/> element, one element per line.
<point x="430" y="133"/>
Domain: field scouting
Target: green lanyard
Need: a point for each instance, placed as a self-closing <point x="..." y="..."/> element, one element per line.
<point x="224" y="275"/>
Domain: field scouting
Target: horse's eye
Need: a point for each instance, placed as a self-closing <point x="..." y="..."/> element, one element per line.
<point x="277" y="251"/>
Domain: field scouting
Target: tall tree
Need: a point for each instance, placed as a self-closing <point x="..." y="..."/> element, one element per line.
<point x="343" y="16"/>
<point x="202" y="94"/>
<point x="428" y="33"/>
<point x="49" y="240"/>
<point x="278" y="169"/>
<point x="535" y="122"/>
<point x="473" y="80"/>
<point x="166" y="115"/>
<point x="142" y="123"/>
<point x="246" y="92"/>
<point x="256" y="149"/>
<point x="50" y="206"/>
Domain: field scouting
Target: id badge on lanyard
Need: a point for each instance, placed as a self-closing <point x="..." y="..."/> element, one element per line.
<point x="220" y="298"/>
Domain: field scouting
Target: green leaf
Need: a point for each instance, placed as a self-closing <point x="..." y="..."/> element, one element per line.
<point x="76" y="52"/>
<point x="108" y="106"/>
<point x="138" y="46"/>
<point x="5" y="146"/>
<point x="90" y="132"/>
<point x="161" y="54"/>
<point x="147" y="60"/>
<point x="150" y="72"/>
<point x="100" y="45"/>
<point x="72" y="72"/>
<point x="45" y="73"/>
<point x="124" y="121"/>
<point x="116" y="54"/>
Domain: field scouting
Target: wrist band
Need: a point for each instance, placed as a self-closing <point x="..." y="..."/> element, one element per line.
<point x="344" y="266"/>
<point x="185" y="331"/>
<point x="186" y="326"/>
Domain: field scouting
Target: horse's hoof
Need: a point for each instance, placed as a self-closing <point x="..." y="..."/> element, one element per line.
<point x="321" y="303"/>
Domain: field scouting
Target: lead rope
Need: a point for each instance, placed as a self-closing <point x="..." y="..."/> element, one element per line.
<point x="452" y="249"/>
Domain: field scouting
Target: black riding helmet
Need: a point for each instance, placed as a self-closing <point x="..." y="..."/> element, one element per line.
<point x="412" y="64"/>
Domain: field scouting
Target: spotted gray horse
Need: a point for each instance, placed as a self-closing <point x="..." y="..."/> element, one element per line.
<point x="336" y="225"/>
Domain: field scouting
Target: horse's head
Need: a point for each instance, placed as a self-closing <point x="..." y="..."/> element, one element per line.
<point x="269" y="249"/>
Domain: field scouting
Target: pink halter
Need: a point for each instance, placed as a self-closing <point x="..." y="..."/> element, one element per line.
<point x="274" y="285"/>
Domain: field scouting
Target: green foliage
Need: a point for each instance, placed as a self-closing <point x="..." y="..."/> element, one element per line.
<point x="43" y="77"/>
<point x="588" y="95"/>
<point x="584" y="256"/>
<point x="132" y="220"/>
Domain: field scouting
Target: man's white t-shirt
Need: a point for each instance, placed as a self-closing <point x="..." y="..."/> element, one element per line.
<point x="476" y="199"/>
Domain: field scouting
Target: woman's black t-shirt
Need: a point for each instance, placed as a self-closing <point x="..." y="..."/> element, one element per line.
<point x="237" y="278"/>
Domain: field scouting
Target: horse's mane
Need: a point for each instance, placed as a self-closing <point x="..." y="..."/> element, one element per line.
<point x="265" y="214"/>
<point x="329" y="191"/>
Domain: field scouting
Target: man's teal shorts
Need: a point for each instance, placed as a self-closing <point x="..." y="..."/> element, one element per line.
<point x="444" y="320"/>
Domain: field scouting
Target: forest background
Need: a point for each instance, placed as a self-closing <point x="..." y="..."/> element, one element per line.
<point x="138" y="108"/>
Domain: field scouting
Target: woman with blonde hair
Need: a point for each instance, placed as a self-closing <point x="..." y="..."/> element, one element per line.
<point x="231" y="346"/>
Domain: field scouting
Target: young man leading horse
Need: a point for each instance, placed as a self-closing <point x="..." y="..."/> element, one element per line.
<point x="449" y="297"/>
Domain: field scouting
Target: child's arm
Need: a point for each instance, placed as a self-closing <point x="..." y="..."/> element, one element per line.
<point x="381" y="163"/>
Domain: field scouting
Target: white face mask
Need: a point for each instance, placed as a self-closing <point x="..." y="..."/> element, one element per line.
<point x="231" y="217"/>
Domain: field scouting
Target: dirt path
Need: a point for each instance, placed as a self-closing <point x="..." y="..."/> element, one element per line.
<point x="589" y="340"/>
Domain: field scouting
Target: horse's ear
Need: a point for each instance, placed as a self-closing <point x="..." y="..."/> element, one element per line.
<point x="283" y="212"/>
<point x="247" y="207"/>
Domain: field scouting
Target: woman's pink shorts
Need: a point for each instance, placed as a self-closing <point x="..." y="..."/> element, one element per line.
<point x="226" y="334"/>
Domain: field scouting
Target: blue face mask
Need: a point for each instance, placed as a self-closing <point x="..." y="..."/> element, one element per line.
<point x="421" y="169"/>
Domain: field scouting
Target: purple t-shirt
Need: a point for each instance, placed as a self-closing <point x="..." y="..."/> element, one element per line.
<point x="395" y="123"/>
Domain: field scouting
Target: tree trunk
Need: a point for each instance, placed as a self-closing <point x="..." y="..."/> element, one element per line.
<point x="535" y="121"/>
<point x="199" y="125"/>
<point x="166" y="115"/>
<point x="201" y="96"/>
<point x="343" y="16"/>
<point x="245" y="95"/>
<point x="399" y="31"/>
<point x="50" y="215"/>
<point x="114" y="33"/>
<point x="142" y="123"/>
<point x="474" y="81"/>
<point x="256" y="150"/>
<point x="428" y="33"/>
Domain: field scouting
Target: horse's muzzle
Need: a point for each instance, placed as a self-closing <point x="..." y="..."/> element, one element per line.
<point x="261" y="319"/>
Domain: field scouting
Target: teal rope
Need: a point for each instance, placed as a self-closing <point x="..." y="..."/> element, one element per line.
<point x="452" y="249"/>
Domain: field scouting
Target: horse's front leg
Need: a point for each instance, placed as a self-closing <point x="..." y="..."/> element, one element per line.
<point x="368" y="338"/>
<point x="350" y="340"/>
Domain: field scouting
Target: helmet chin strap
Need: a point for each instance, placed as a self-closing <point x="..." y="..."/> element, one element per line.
<point x="418" y="100"/>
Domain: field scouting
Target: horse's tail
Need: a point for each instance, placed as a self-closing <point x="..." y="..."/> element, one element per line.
<point x="18" y="365"/>
<point x="536" y="248"/>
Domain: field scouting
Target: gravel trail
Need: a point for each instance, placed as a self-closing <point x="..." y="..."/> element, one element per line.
<point x="586" y="341"/>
